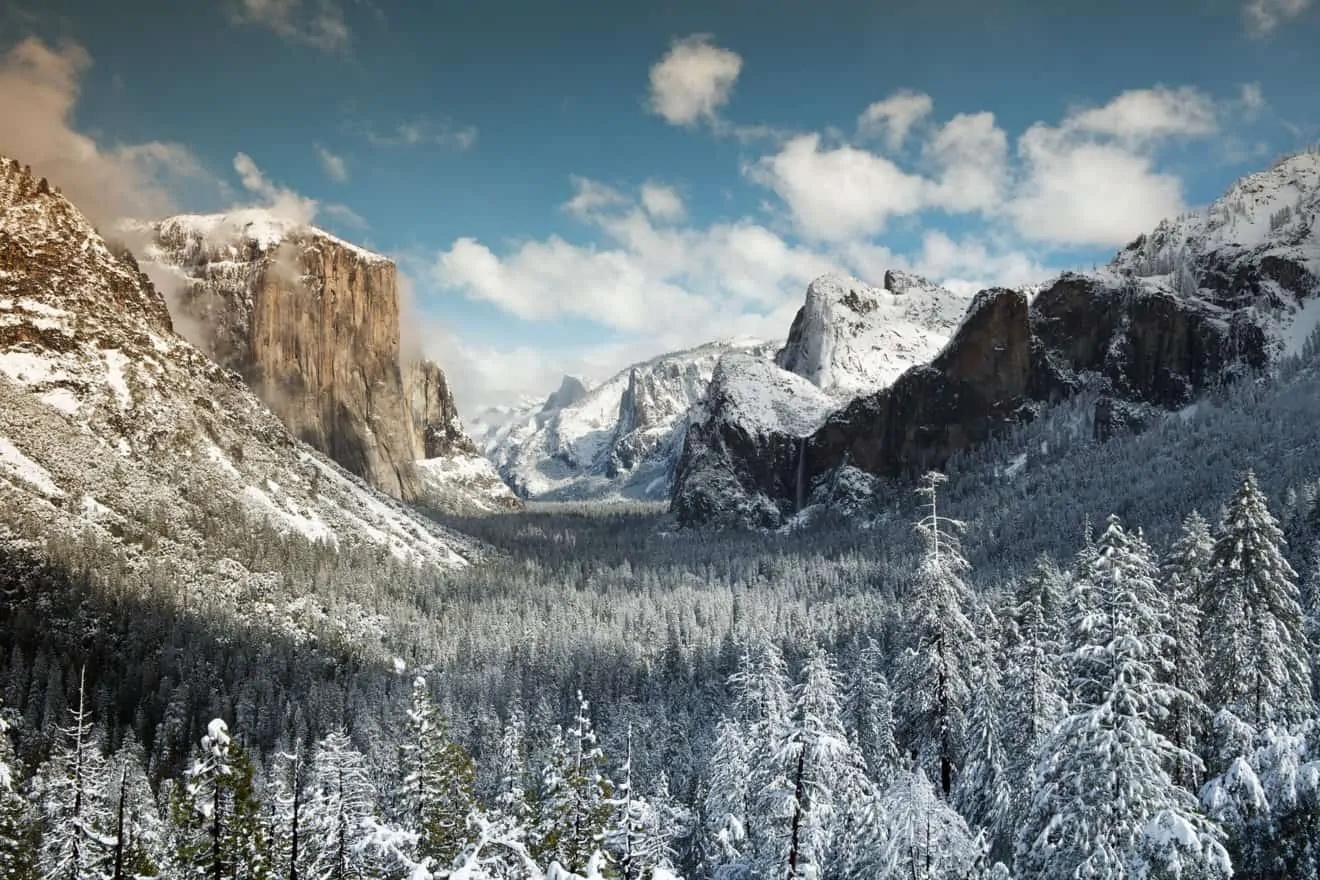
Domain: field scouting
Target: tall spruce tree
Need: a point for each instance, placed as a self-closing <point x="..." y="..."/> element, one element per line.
<point x="1255" y="644"/>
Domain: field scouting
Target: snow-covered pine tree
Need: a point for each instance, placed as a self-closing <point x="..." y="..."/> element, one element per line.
<point x="1107" y="806"/>
<point x="725" y="806"/>
<point x="17" y="829"/>
<point x="1255" y="647"/>
<point x="818" y="772"/>
<point x="638" y="838"/>
<point x="1033" y="695"/>
<point x="340" y="812"/>
<point x="932" y="674"/>
<point x="219" y="829"/>
<point x="870" y="711"/>
<point x="574" y="805"/>
<point x="1183" y="575"/>
<point x="511" y="794"/>
<point x="922" y="836"/>
<point x="140" y="834"/>
<point x="437" y="793"/>
<point x="984" y="795"/>
<point x="73" y="796"/>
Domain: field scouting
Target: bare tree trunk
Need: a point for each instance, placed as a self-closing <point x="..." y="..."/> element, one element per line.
<point x="119" y="826"/>
<point x="799" y="794"/>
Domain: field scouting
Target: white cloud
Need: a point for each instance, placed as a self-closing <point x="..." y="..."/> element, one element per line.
<point x="1263" y="17"/>
<point x="894" y="117"/>
<point x="319" y="24"/>
<point x="971" y="153"/>
<point x="346" y="215"/>
<point x="662" y="202"/>
<point x="39" y="89"/>
<point x="1252" y="100"/>
<point x="334" y="165"/>
<point x="1092" y="179"/>
<point x="422" y="132"/>
<point x="1139" y="116"/>
<point x="281" y="202"/>
<point x="693" y="80"/>
<point x="591" y="196"/>
<point x="841" y="193"/>
<point x="1089" y="193"/>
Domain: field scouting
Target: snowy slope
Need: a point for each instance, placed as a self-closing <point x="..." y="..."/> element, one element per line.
<point x="850" y="338"/>
<point x="110" y="422"/>
<point x="1261" y="240"/>
<point x="616" y="440"/>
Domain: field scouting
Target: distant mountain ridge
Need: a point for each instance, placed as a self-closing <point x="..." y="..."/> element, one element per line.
<point x="1203" y="296"/>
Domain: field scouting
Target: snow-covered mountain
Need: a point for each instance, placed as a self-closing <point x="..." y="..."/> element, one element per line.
<point x="850" y="338"/>
<point x="313" y="325"/>
<point x="116" y="430"/>
<point x="1197" y="300"/>
<point x="616" y="440"/>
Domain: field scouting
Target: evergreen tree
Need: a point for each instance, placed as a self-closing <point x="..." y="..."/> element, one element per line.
<point x="1256" y="657"/>
<point x="984" y="795"/>
<point x="817" y="772"/>
<point x="871" y="713"/>
<point x="340" y="813"/>
<point x="140" y="846"/>
<point x="932" y="677"/>
<point x="640" y="835"/>
<point x="17" y="830"/>
<point x="922" y="836"/>
<point x="1183" y="577"/>
<point x="1033" y="690"/>
<point x="1107" y="806"/>
<point x="73" y="798"/>
<point x="220" y="834"/>
<point x="725" y="807"/>
<point x="574" y="805"/>
<point x="437" y="795"/>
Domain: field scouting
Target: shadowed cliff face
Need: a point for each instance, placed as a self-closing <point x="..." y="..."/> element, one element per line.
<point x="313" y="325"/>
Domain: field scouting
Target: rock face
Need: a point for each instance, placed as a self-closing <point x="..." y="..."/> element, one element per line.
<point x="1202" y="298"/>
<point x="114" y="428"/>
<point x="850" y="338"/>
<point x="312" y="324"/>
<point x="618" y="440"/>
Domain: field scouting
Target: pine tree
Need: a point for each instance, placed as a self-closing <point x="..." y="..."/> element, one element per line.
<point x="140" y="835"/>
<point x="1255" y="645"/>
<point x="1107" y="806"/>
<point x="437" y="793"/>
<point x="1033" y="690"/>
<point x="340" y="812"/>
<point x="17" y="830"/>
<point x="73" y="798"/>
<point x="921" y="836"/>
<point x="984" y="795"/>
<point x="639" y="836"/>
<point x="871" y="713"/>
<point x="725" y="806"/>
<point x="574" y="804"/>
<point x="932" y="677"/>
<point x="817" y="772"/>
<point x="220" y="834"/>
<point x="1183" y="576"/>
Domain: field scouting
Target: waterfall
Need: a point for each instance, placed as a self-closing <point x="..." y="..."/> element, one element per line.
<point x="801" y="472"/>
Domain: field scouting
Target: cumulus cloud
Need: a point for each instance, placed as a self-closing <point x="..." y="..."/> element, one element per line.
<point x="424" y="132"/>
<point x="894" y="117"/>
<point x="1092" y="179"/>
<point x="1263" y="17"/>
<point x="663" y="203"/>
<point x="334" y="165"/>
<point x="838" y="193"/>
<point x="970" y="152"/>
<point x="693" y="80"/>
<point x="280" y="201"/>
<point x="39" y="89"/>
<point x="319" y="24"/>
<point x="744" y="273"/>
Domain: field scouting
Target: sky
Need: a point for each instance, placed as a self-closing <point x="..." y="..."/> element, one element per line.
<point x="572" y="187"/>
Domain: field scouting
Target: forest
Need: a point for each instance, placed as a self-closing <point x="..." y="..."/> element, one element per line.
<point x="1063" y="658"/>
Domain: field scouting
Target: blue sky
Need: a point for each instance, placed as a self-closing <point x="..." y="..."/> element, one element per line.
<point x="573" y="186"/>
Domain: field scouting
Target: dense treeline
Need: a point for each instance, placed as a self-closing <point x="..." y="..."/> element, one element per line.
<point x="1126" y="715"/>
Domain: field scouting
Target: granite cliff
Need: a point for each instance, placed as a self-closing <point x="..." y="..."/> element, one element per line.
<point x="312" y="324"/>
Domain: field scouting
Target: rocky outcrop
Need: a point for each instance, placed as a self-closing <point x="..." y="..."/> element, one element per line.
<point x="312" y="324"/>
<point x="1202" y="299"/>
